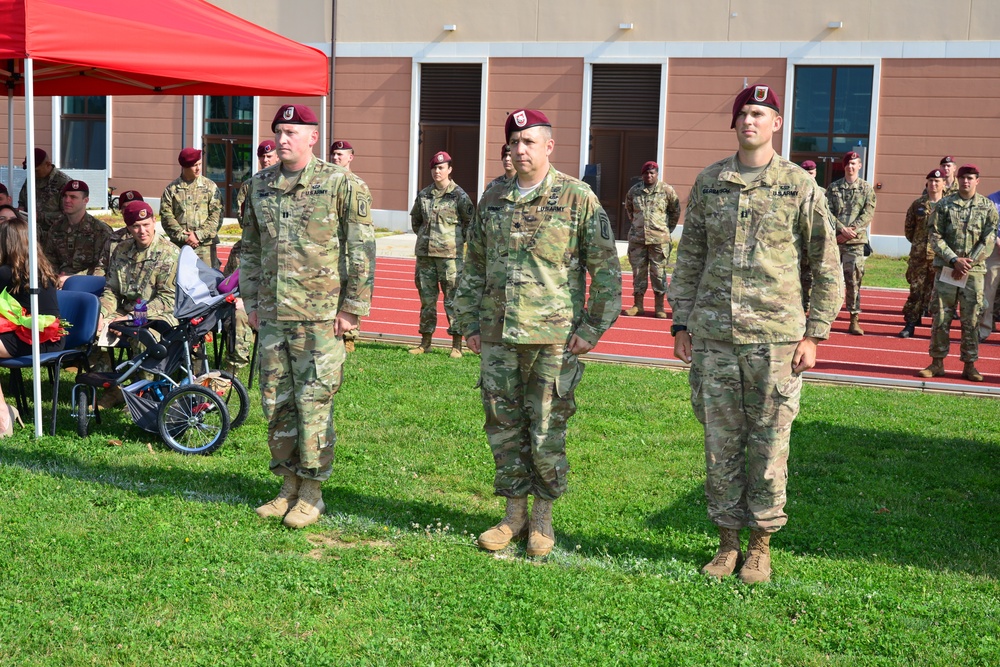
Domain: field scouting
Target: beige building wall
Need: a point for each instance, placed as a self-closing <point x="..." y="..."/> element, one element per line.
<point x="43" y="129"/>
<point x="146" y="138"/>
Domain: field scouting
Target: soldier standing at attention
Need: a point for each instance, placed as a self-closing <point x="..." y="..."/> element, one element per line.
<point x="523" y="306"/>
<point x="738" y="321"/>
<point x="508" y="167"/>
<point x="307" y="275"/>
<point x="342" y="155"/>
<point x="947" y="165"/>
<point x="654" y="209"/>
<point x="76" y="241"/>
<point x="852" y="204"/>
<point x="440" y="217"/>
<point x="191" y="209"/>
<point x="963" y="230"/>
<point x="920" y="271"/>
<point x="267" y="154"/>
<point x="49" y="183"/>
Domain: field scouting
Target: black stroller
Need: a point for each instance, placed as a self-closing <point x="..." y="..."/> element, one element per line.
<point x="193" y="413"/>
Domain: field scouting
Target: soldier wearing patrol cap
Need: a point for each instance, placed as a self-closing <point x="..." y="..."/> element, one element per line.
<point x="440" y="218"/>
<point x="342" y="155"/>
<point x="522" y="304"/>
<point x="191" y="209"/>
<point x="852" y="204"/>
<point x="508" y="167"/>
<point x="739" y="322"/>
<point x="920" y="273"/>
<point x="49" y="182"/>
<point x="654" y="209"/>
<point x="307" y="275"/>
<point x="76" y="241"/>
<point x="963" y="229"/>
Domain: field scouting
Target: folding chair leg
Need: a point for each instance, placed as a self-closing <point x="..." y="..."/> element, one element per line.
<point x="55" y="396"/>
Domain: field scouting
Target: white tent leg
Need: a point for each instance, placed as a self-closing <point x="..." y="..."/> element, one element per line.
<point x="29" y="143"/>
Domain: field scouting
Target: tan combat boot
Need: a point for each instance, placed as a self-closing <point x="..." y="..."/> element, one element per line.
<point x="728" y="557"/>
<point x="658" y="306"/>
<point x="970" y="373"/>
<point x="935" y="370"/>
<point x="456" y="347"/>
<point x="855" y="329"/>
<point x="757" y="567"/>
<point x="513" y="526"/>
<point x="541" y="539"/>
<point x="349" y="346"/>
<point x="425" y="345"/>
<point x="285" y="499"/>
<point x="636" y="308"/>
<point x="309" y="506"/>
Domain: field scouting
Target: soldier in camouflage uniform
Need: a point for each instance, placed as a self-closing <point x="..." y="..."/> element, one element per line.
<point x="963" y="230"/>
<point x="342" y="155"/>
<point x="920" y="271"/>
<point x="991" y="304"/>
<point x="852" y="204"/>
<point x="75" y="242"/>
<point x="521" y="304"/>
<point x="947" y="165"/>
<point x="508" y="168"/>
<point x="191" y="209"/>
<point x="440" y="217"/>
<point x="307" y="275"/>
<point x="739" y="322"/>
<point x="804" y="271"/>
<point x="118" y="235"/>
<point x="49" y="183"/>
<point x="654" y="209"/>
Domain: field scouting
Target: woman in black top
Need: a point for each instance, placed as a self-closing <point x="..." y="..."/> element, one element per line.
<point x="14" y="280"/>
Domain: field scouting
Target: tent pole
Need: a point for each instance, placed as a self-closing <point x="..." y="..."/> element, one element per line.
<point x="323" y="141"/>
<point x="29" y="149"/>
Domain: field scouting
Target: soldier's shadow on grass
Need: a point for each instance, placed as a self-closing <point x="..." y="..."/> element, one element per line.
<point x="880" y="496"/>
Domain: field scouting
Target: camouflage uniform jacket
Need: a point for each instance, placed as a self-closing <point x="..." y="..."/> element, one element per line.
<point x="915" y="228"/>
<point x="308" y="253"/>
<point x="654" y="212"/>
<point x="48" y="199"/>
<point x="525" y="275"/>
<point x="117" y="236"/>
<point x="963" y="228"/>
<point x="241" y="199"/>
<point x="194" y="206"/>
<point x="852" y="205"/>
<point x="77" y="249"/>
<point x="142" y="273"/>
<point x="502" y="178"/>
<point x="440" y="220"/>
<point x="738" y="261"/>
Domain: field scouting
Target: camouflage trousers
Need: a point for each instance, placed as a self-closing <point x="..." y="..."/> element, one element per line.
<point x="967" y="301"/>
<point x="852" y="259"/>
<point x="301" y="369"/>
<point x="235" y="254"/>
<point x="746" y="396"/>
<point x="991" y="305"/>
<point x="239" y="355"/>
<point x="649" y="262"/>
<point x="528" y="396"/>
<point x="921" y="275"/>
<point x="432" y="272"/>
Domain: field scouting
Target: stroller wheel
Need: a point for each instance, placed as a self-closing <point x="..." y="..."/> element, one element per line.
<point x="193" y="420"/>
<point x="82" y="412"/>
<point x="233" y="394"/>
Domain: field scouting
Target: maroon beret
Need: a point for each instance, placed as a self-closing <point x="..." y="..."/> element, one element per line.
<point x="189" y="157"/>
<point x="76" y="186"/>
<point x="808" y="164"/>
<point x="40" y="156"/>
<point x="848" y="156"/>
<point x="935" y="173"/>
<point x="946" y="159"/>
<point x="341" y="146"/>
<point x="265" y="147"/>
<point x="650" y="166"/>
<point x="757" y="94"/>
<point x="522" y="119"/>
<point x="129" y="196"/>
<point x="440" y="157"/>
<point x="135" y="211"/>
<point x="294" y="114"/>
<point x="504" y="150"/>
<point x="967" y="169"/>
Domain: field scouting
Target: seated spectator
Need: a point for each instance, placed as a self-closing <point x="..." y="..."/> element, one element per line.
<point x="118" y="235"/>
<point x="75" y="241"/>
<point x="8" y="212"/>
<point x="5" y="196"/>
<point x="15" y="303"/>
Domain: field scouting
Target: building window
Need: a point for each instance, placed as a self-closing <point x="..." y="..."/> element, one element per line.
<point x="84" y="132"/>
<point x="229" y="156"/>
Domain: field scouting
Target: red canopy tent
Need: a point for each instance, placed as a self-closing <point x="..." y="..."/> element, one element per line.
<point x="140" y="47"/>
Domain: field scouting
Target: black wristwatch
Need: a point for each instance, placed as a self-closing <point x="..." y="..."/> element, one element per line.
<point x="951" y="262"/>
<point x="675" y="328"/>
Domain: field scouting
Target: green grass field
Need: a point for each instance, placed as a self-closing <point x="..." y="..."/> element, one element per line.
<point x="117" y="551"/>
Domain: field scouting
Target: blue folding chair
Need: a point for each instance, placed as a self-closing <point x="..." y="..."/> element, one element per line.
<point x="81" y="310"/>
<point x="93" y="284"/>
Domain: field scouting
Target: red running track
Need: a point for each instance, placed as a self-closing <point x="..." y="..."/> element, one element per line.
<point x="878" y="355"/>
